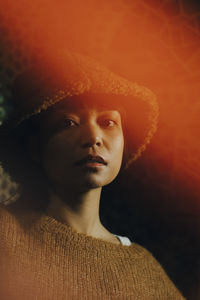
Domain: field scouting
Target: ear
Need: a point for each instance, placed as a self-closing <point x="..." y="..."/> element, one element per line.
<point x="34" y="149"/>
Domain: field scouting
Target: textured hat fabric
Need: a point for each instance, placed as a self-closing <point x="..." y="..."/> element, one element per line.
<point x="67" y="74"/>
<point x="60" y="75"/>
<point x="35" y="74"/>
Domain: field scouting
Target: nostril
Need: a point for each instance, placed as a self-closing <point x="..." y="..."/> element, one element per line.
<point x="90" y="144"/>
<point x="91" y="141"/>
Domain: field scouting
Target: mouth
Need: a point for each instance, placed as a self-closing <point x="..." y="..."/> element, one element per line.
<point x="93" y="161"/>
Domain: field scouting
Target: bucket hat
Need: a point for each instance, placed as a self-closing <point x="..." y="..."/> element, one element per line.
<point x="36" y="72"/>
<point x="33" y="79"/>
<point x="65" y="74"/>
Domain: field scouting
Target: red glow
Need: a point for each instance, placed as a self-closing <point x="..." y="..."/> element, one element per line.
<point x="156" y="46"/>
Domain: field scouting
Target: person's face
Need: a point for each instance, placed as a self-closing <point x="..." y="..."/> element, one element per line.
<point x="71" y="131"/>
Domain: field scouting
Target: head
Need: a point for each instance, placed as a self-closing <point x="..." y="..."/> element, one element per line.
<point x="34" y="96"/>
<point x="70" y="131"/>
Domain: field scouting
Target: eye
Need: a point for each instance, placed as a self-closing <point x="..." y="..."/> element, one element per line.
<point x="69" y="123"/>
<point x="108" y="122"/>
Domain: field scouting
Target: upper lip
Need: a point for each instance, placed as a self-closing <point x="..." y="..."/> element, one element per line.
<point x="91" y="158"/>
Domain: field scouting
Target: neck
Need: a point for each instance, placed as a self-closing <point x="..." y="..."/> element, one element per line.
<point x="79" y="210"/>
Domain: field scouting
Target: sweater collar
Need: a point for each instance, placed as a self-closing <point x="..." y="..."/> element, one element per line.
<point x="50" y="225"/>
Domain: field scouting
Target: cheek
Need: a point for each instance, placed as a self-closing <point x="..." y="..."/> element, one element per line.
<point x="56" y="157"/>
<point x="118" y="146"/>
<point x="117" y="153"/>
<point x="115" y="161"/>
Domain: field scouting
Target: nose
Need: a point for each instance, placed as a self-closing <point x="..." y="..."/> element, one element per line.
<point x="91" y="136"/>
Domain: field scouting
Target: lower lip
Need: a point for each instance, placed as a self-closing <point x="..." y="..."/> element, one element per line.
<point x="93" y="164"/>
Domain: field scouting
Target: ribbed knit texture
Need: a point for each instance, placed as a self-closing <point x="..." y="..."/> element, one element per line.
<point x="41" y="258"/>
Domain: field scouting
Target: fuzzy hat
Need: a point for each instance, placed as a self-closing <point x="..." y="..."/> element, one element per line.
<point x="62" y="74"/>
<point x="65" y="74"/>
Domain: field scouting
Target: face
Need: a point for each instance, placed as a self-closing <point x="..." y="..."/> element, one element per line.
<point x="83" y="144"/>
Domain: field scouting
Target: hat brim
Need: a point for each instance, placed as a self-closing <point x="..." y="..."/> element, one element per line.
<point x="71" y="74"/>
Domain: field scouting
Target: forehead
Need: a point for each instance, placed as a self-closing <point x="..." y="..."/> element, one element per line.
<point x="88" y="102"/>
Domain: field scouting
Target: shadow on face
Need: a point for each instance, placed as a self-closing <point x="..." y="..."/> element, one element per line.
<point x="73" y="129"/>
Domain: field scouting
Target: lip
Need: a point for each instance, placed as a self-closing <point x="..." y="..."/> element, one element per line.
<point x="93" y="164"/>
<point x="92" y="161"/>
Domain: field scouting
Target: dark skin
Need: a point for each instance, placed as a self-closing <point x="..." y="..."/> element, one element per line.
<point x="69" y="133"/>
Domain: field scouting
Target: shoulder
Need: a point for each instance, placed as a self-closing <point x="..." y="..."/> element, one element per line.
<point x="153" y="273"/>
<point x="4" y="213"/>
<point x="142" y="251"/>
<point x="147" y="259"/>
<point x="12" y="218"/>
<point x="7" y="223"/>
<point x="7" y="217"/>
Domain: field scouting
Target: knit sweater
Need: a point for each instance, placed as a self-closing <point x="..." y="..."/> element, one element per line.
<point x="43" y="259"/>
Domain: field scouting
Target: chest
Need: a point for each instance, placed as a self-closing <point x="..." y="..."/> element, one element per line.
<point x="47" y="268"/>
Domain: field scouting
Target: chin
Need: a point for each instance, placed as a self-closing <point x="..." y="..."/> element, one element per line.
<point x="92" y="184"/>
<point x="97" y="182"/>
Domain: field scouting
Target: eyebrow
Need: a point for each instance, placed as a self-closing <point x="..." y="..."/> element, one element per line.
<point x="64" y="113"/>
<point x="86" y="101"/>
